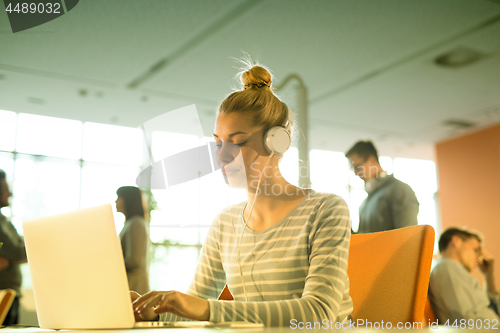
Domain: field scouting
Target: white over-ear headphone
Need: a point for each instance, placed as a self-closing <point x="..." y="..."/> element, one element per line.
<point x="277" y="139"/>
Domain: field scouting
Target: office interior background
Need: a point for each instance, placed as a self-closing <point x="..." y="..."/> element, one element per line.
<point x="420" y="79"/>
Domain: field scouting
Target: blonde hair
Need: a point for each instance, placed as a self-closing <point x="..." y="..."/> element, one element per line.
<point x="257" y="99"/>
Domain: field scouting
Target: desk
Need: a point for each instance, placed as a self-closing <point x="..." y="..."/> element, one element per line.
<point x="225" y="330"/>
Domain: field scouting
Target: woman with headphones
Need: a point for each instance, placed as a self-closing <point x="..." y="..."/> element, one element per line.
<point x="283" y="253"/>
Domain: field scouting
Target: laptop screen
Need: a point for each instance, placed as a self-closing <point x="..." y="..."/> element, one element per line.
<point x="77" y="270"/>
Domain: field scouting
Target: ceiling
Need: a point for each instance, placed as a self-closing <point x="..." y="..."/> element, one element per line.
<point x="368" y="66"/>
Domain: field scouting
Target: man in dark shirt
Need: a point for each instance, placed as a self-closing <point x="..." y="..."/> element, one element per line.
<point x="390" y="203"/>
<point x="13" y="253"/>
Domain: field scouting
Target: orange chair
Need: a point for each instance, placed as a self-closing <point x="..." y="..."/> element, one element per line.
<point x="429" y="316"/>
<point x="226" y="295"/>
<point x="6" y="298"/>
<point x="389" y="274"/>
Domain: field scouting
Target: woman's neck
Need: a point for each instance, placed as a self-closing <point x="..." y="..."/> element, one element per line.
<point x="274" y="199"/>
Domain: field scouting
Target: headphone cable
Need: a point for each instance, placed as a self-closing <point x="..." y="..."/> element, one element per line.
<point x="245" y="222"/>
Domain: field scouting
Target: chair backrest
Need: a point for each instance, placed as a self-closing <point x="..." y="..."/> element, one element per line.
<point x="6" y="298"/>
<point x="389" y="274"/>
<point x="429" y="316"/>
<point x="226" y="295"/>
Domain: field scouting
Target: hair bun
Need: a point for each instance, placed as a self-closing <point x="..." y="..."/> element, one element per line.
<point x="256" y="77"/>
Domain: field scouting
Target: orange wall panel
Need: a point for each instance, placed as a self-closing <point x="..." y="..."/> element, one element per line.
<point x="469" y="185"/>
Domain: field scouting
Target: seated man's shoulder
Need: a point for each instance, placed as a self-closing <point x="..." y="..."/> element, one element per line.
<point x="450" y="272"/>
<point x="446" y="265"/>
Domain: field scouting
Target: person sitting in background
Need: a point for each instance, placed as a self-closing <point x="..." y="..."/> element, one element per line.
<point x="12" y="254"/>
<point x="390" y="203"/>
<point x="453" y="292"/>
<point x="134" y="238"/>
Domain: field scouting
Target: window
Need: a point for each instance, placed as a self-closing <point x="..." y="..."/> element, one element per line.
<point x="112" y="144"/>
<point x="172" y="267"/>
<point x="48" y="175"/>
<point x="48" y="136"/>
<point x="329" y="172"/>
<point x="44" y="186"/>
<point x="7" y="130"/>
<point x="100" y="182"/>
<point x="289" y="166"/>
<point x="421" y="175"/>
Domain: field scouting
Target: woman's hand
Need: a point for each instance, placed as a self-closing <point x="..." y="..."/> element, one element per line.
<point x="143" y="316"/>
<point x="150" y="305"/>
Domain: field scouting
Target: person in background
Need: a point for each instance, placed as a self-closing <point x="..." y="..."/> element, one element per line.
<point x="453" y="292"/>
<point x="12" y="254"/>
<point x="134" y="238"/>
<point x="390" y="204"/>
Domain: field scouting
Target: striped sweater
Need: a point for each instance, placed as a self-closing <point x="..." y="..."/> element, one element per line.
<point x="296" y="269"/>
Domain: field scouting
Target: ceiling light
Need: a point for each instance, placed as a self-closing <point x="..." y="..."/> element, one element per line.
<point x="459" y="123"/>
<point x="36" y="100"/>
<point x="458" y="57"/>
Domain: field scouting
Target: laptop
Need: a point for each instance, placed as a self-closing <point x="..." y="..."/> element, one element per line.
<point x="78" y="271"/>
<point x="78" y="274"/>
